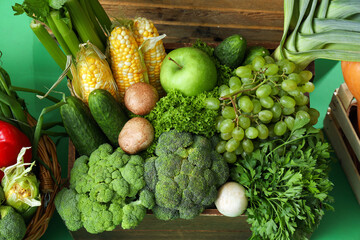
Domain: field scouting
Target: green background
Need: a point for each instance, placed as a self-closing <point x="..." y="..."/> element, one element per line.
<point x="29" y="65"/>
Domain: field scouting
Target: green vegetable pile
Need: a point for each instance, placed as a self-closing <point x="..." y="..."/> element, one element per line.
<point x="106" y="190"/>
<point x="185" y="175"/>
<point x="287" y="184"/>
<point x="176" y="111"/>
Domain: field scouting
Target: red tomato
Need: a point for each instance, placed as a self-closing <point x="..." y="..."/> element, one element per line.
<point x="11" y="142"/>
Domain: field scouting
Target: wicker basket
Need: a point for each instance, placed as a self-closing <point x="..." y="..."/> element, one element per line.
<point x="47" y="153"/>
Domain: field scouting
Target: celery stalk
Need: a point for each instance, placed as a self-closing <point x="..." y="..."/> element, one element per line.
<point x="86" y="6"/>
<point x="67" y="34"/>
<point x="49" y="43"/>
<point x="101" y="15"/>
<point x="58" y="35"/>
<point x="83" y="26"/>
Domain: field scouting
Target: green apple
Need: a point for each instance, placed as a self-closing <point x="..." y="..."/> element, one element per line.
<point x="189" y="70"/>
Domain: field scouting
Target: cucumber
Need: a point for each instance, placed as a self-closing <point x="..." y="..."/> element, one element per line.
<point x="81" y="127"/>
<point x="231" y="51"/>
<point x="108" y="114"/>
<point x="254" y="51"/>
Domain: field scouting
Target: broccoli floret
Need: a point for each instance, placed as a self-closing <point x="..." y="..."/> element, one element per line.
<point x="106" y="190"/>
<point x="172" y="141"/>
<point x="96" y="217"/>
<point x="134" y="212"/>
<point x="133" y="173"/>
<point x="185" y="175"/>
<point x="66" y="202"/>
<point x="147" y="199"/>
<point x="165" y="213"/>
<point x="12" y="224"/>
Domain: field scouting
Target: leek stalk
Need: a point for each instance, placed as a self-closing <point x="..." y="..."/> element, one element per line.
<point x="320" y="29"/>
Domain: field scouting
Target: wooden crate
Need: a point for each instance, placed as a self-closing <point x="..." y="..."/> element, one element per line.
<point x="211" y="224"/>
<point x="340" y="126"/>
<point x="184" y="21"/>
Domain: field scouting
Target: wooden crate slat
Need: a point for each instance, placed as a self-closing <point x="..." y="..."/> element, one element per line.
<point x="201" y="227"/>
<point x="331" y="128"/>
<point x="194" y="17"/>
<point x="212" y="35"/>
<point x="341" y="116"/>
<point x="259" y="5"/>
<point x="259" y="22"/>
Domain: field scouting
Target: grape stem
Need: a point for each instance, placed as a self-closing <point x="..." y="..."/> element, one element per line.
<point x="235" y="109"/>
<point x="229" y="97"/>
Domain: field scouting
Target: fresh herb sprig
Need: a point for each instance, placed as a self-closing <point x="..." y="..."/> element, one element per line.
<point x="287" y="184"/>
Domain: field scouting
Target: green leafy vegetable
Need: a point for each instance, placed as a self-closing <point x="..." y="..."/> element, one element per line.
<point x="185" y="175"/>
<point x="176" y="111"/>
<point x="287" y="184"/>
<point x="106" y="190"/>
<point x="320" y="29"/>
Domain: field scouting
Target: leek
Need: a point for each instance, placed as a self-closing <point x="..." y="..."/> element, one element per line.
<point x="313" y="29"/>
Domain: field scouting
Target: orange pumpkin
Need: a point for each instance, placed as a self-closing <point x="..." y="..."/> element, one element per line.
<point x="351" y="73"/>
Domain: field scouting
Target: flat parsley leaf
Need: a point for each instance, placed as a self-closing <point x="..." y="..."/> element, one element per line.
<point x="288" y="190"/>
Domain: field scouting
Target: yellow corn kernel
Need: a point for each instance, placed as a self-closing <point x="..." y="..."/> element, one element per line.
<point x="125" y="57"/>
<point x="143" y="30"/>
<point x="93" y="72"/>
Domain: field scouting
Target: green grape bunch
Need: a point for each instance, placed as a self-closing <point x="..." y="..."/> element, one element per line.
<point x="262" y="100"/>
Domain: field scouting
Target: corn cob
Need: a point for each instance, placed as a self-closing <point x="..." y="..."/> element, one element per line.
<point x="93" y="72"/>
<point x="126" y="60"/>
<point x="144" y="29"/>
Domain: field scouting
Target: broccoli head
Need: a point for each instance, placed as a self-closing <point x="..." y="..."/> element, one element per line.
<point x="106" y="190"/>
<point x="184" y="175"/>
<point x="66" y="203"/>
<point x="12" y="224"/>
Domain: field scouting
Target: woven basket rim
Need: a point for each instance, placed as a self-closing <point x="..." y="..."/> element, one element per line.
<point x="48" y="187"/>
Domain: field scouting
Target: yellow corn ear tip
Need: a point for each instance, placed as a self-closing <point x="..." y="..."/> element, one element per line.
<point x="93" y="72"/>
<point x="126" y="61"/>
<point x="144" y="29"/>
